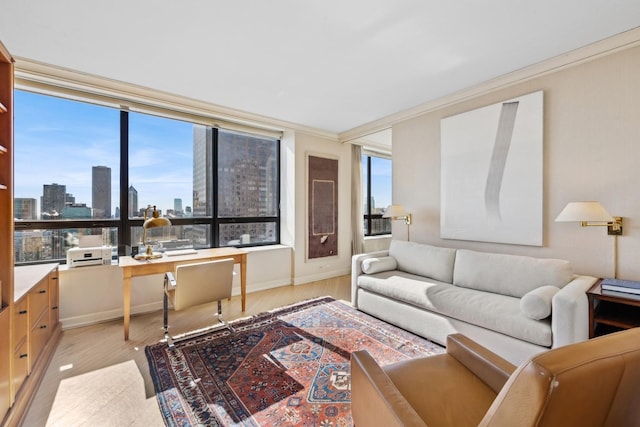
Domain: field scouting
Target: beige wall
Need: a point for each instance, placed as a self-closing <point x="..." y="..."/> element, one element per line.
<point x="591" y="152"/>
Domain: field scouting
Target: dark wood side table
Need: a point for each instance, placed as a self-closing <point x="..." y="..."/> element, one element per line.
<point x="610" y="311"/>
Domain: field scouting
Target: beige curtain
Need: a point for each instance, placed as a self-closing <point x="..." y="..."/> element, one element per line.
<point x="357" y="220"/>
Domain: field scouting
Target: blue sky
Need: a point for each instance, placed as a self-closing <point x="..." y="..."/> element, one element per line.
<point x="58" y="141"/>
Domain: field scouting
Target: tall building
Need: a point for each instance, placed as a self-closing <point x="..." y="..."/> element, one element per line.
<point x="25" y="208"/>
<point x="101" y="191"/>
<point x="53" y="200"/>
<point x="202" y="168"/>
<point x="177" y="206"/>
<point x="133" y="201"/>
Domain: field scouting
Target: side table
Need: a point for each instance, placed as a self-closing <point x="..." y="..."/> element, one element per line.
<point x="610" y="311"/>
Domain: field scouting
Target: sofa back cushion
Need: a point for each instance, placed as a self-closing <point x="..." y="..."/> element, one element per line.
<point x="424" y="260"/>
<point x="513" y="275"/>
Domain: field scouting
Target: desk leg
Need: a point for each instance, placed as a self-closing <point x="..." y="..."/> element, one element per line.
<point x="243" y="281"/>
<point x="126" y="300"/>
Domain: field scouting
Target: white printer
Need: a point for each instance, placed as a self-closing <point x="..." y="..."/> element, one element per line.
<point x="99" y="255"/>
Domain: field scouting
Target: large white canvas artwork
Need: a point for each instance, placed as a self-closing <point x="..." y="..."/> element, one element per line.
<point x="492" y="173"/>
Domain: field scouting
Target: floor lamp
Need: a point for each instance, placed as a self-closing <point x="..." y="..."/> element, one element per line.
<point x="594" y="214"/>
<point x="398" y="212"/>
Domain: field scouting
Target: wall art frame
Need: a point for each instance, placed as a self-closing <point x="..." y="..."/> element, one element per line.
<point x="492" y="173"/>
<point x="322" y="206"/>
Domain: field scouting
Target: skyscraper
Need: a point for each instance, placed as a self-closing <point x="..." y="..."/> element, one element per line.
<point x="177" y="206"/>
<point x="25" y="208"/>
<point x="202" y="168"/>
<point x="101" y="191"/>
<point x="53" y="200"/>
<point x="133" y="201"/>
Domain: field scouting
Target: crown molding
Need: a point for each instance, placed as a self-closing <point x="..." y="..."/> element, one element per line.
<point x="590" y="52"/>
<point x="30" y="74"/>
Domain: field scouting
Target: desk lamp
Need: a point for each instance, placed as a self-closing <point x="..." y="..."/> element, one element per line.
<point x="154" y="221"/>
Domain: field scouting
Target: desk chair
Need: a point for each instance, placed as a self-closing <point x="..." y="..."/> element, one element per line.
<point x="195" y="284"/>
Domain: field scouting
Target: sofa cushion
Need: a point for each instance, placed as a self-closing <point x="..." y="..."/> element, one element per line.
<point x="424" y="260"/>
<point x="536" y="304"/>
<point x="513" y="275"/>
<point x="376" y="265"/>
<point x="496" y="312"/>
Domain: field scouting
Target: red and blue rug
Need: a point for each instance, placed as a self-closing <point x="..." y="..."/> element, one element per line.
<point x="288" y="367"/>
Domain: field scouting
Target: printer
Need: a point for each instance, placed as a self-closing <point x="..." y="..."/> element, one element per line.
<point x="79" y="257"/>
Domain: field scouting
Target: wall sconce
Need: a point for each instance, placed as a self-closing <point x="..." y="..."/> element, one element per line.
<point x="153" y="222"/>
<point x="398" y="212"/>
<point x="594" y="214"/>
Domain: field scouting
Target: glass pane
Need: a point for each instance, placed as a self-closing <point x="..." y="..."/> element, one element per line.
<point x="380" y="194"/>
<point x="247" y="233"/>
<point x="169" y="167"/>
<point x="247" y="176"/>
<point x="66" y="159"/>
<point x="380" y="184"/>
<point x="46" y="245"/>
<point x="174" y="237"/>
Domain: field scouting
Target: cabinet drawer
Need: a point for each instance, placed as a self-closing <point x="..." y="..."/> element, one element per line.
<point x="20" y="365"/>
<point x="54" y="298"/>
<point x="38" y="301"/>
<point x="20" y="322"/>
<point x="38" y="338"/>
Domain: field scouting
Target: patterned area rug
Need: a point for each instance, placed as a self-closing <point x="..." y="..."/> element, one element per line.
<point x="288" y="367"/>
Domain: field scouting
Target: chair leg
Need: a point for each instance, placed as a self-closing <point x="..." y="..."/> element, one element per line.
<point x="221" y="320"/>
<point x="165" y="308"/>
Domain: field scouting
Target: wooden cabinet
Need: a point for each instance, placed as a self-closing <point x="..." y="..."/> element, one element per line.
<point x="29" y="322"/>
<point x="5" y="362"/>
<point x="6" y="227"/>
<point x="20" y="343"/>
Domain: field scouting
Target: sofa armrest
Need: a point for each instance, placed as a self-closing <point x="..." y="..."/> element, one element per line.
<point x="375" y="400"/>
<point x="356" y="270"/>
<point x="570" y="312"/>
<point x="492" y="369"/>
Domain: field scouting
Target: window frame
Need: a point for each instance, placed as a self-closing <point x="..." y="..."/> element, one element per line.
<point x="368" y="217"/>
<point x="124" y="224"/>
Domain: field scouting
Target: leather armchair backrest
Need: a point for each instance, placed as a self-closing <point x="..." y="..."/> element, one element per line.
<point x="593" y="383"/>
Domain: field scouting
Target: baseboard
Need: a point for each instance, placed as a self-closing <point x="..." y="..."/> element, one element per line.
<point x="109" y="315"/>
<point x="321" y="276"/>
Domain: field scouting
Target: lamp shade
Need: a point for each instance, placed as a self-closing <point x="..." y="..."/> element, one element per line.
<point x="157" y="222"/>
<point x="584" y="212"/>
<point x="395" y="211"/>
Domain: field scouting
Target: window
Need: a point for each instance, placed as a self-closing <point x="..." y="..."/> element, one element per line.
<point x="69" y="182"/>
<point x="376" y="179"/>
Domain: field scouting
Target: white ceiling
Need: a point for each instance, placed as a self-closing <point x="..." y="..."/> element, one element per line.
<point x="332" y="65"/>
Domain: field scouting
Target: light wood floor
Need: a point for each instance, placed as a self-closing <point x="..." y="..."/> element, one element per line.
<point x="88" y="358"/>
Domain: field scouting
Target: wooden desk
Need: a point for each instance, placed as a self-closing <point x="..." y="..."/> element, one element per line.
<point x="133" y="268"/>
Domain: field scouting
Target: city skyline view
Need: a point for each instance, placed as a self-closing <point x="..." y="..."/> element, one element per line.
<point x="160" y="158"/>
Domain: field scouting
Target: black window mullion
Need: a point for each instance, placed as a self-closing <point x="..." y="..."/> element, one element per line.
<point x="124" y="228"/>
<point x="215" y="232"/>
<point x="369" y="222"/>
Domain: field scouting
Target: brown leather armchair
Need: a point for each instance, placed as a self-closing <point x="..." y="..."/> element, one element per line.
<point x="592" y="383"/>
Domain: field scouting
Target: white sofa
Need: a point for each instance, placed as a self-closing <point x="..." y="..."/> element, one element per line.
<point x="515" y="305"/>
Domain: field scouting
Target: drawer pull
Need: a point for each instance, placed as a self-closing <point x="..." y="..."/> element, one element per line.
<point x="54" y="278"/>
<point x="54" y="308"/>
<point x="22" y="356"/>
<point x="22" y="312"/>
<point x="43" y="327"/>
<point x="42" y="291"/>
